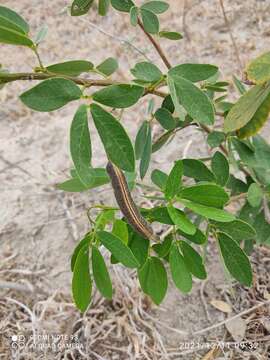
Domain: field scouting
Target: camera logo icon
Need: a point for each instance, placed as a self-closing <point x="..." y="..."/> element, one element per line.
<point x="17" y="341"/>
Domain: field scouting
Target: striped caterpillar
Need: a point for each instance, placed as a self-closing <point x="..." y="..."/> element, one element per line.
<point x="127" y="205"/>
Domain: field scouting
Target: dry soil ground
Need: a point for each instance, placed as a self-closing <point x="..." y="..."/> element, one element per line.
<point x="40" y="225"/>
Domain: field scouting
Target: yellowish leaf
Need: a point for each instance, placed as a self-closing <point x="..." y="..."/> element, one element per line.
<point x="258" y="70"/>
<point x="221" y="306"/>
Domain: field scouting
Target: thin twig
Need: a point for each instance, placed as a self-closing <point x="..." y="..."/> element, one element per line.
<point x="266" y="210"/>
<point x="7" y="78"/>
<point x="15" y="165"/>
<point x="156" y="45"/>
<point x="73" y="227"/>
<point x="199" y="332"/>
<point x="204" y="301"/>
<point x="180" y="332"/>
<point x="15" y="286"/>
<point x="117" y="38"/>
<point x="186" y="149"/>
<point x="227" y="23"/>
<point x="184" y="25"/>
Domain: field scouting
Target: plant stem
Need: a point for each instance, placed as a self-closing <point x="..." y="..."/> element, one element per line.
<point x="227" y="23"/>
<point x="156" y="45"/>
<point x="7" y="77"/>
<point x="38" y="57"/>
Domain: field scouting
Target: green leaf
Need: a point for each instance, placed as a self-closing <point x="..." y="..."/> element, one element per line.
<point x="159" y="214"/>
<point x="51" y="94"/>
<point x="221" y="168"/>
<point x="146" y="153"/>
<point x="215" y="138"/>
<point x="215" y="88"/>
<point x="139" y="247"/>
<point x="100" y="274"/>
<point x="146" y="71"/>
<point x="157" y="7"/>
<point x="80" y="145"/>
<point x="224" y="106"/>
<point x="171" y="35"/>
<point x="262" y="228"/>
<point x="177" y="106"/>
<point x="81" y="281"/>
<point x="159" y="178"/>
<point x="119" y="250"/>
<point x="165" y="118"/>
<point x="174" y="181"/>
<point x="238" y="229"/>
<point x="257" y="121"/>
<point x="246" y="154"/>
<point x="103" y="7"/>
<point x="246" y="107"/>
<point x="254" y="195"/>
<point x="235" y="259"/>
<point x="162" y="140"/>
<point x="114" y="138"/>
<point x="198" y="238"/>
<point x="41" y="35"/>
<point x="14" y="18"/>
<point x="122" y="5"/>
<point x="256" y="159"/>
<point x="209" y="212"/>
<point x="163" y="248"/>
<point x="72" y="185"/>
<point x="193" y="261"/>
<point x="71" y="68"/>
<point x="119" y="96"/>
<point x="108" y="66"/>
<point x="206" y="194"/>
<point x="82" y="244"/>
<point x="236" y="186"/>
<point x="4" y="22"/>
<point x="131" y="179"/>
<point x="258" y="70"/>
<point x="80" y="7"/>
<point x="141" y="139"/>
<point x="181" y="221"/>
<point x="134" y="13"/>
<point x="95" y="177"/>
<point x="9" y="36"/>
<point x="120" y="230"/>
<point x="104" y="218"/>
<point x="248" y="213"/>
<point x="197" y="170"/>
<point x="150" y="21"/>
<point x="195" y="101"/>
<point x="180" y="273"/>
<point x="193" y="72"/>
<point x="168" y="104"/>
<point x="239" y="85"/>
<point x="153" y="279"/>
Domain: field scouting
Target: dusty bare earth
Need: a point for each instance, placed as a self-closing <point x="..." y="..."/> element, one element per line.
<point x="39" y="225"/>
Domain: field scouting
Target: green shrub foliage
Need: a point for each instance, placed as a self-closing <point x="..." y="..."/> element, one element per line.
<point x="193" y="197"/>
